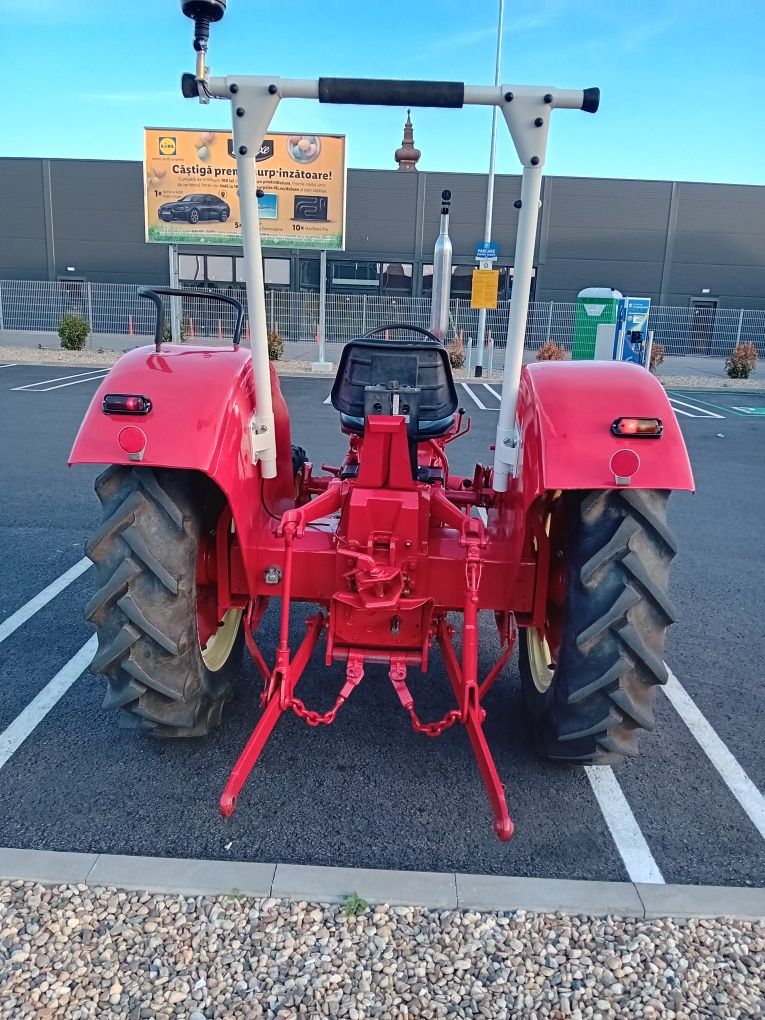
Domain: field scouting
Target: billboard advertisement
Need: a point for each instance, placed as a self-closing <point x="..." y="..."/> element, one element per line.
<point x="191" y="194"/>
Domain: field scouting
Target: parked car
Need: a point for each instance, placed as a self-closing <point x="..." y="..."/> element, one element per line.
<point x="194" y="208"/>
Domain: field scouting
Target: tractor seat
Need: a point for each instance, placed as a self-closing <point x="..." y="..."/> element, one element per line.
<point x="423" y="365"/>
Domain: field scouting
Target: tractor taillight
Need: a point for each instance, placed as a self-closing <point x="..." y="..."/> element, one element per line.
<point x="643" y="428"/>
<point x="125" y="403"/>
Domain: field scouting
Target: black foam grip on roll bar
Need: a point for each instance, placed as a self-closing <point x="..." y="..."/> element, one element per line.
<point x="591" y="100"/>
<point x="389" y="92"/>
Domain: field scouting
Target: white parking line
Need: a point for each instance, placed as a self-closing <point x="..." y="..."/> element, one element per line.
<point x="623" y="826"/>
<point x="11" y="364"/>
<point x="92" y="378"/>
<point x="678" y="411"/>
<point x="13" y="622"/>
<point x="14" y="736"/>
<point x="90" y="374"/>
<point x="472" y="396"/>
<point x="702" y="411"/>
<point x="492" y="390"/>
<point x="329" y="399"/>
<point x="734" y="777"/>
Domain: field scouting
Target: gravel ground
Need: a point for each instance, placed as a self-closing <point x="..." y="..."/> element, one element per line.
<point x="72" y="952"/>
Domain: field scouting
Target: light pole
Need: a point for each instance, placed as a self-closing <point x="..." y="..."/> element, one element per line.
<point x="490" y="187"/>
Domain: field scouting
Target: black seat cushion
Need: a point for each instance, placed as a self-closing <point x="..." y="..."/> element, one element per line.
<point x="378" y="362"/>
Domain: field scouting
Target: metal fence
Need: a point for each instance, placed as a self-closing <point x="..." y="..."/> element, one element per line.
<point x="115" y="311"/>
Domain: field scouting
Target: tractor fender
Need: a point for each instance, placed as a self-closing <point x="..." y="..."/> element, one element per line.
<point x="202" y="401"/>
<point x="565" y="412"/>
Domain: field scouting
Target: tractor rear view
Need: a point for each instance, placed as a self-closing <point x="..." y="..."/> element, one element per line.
<point x="210" y="512"/>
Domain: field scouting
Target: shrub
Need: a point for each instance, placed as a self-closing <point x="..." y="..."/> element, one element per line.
<point x="167" y="333"/>
<point x="456" y="351"/>
<point x="657" y="357"/>
<point x="275" y="344"/>
<point x="742" y="361"/>
<point x="550" y="351"/>
<point x="73" y="330"/>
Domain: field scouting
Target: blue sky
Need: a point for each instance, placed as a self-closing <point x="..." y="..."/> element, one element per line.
<point x="682" y="82"/>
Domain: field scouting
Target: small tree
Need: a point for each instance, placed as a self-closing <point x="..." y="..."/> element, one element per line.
<point x="657" y="357"/>
<point x="550" y="351"/>
<point x="275" y="344"/>
<point x="456" y="350"/>
<point x="73" y="330"/>
<point x="742" y="361"/>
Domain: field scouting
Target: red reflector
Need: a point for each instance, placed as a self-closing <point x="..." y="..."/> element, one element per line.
<point x="132" y="439"/>
<point x="648" y="428"/>
<point x="125" y="403"/>
<point x="624" y="464"/>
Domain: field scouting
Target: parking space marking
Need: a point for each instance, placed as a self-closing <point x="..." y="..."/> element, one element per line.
<point x="492" y="390"/>
<point x="702" y="412"/>
<point x="14" y="736"/>
<point x="329" y="399"/>
<point x="92" y="378"/>
<point x="472" y="396"/>
<point x="623" y="826"/>
<point x="11" y="364"/>
<point x="15" y="620"/>
<point x="734" y="777"/>
<point x="678" y="411"/>
<point x="90" y="374"/>
<point x="708" y="403"/>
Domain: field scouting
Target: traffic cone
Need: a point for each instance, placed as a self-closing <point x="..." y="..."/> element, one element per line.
<point x="130" y="325"/>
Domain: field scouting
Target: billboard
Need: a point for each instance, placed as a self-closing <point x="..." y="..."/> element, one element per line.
<point x="191" y="194"/>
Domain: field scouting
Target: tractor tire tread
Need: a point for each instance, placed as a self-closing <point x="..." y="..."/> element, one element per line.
<point x="144" y="605"/>
<point x="616" y="616"/>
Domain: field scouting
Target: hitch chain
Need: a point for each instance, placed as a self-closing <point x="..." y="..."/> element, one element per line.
<point x="397" y="674"/>
<point x="354" y="676"/>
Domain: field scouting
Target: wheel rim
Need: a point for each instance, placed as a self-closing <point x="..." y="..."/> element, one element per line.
<point x="543" y="645"/>
<point x="218" y="648"/>
<point x="216" y="637"/>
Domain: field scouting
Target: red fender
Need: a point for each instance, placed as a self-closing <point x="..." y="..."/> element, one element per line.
<point x="566" y="409"/>
<point x="202" y="401"/>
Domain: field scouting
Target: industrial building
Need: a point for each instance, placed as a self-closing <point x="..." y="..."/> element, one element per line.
<point x="678" y="243"/>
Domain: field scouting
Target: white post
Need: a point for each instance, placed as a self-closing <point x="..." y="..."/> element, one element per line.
<point x="740" y="323"/>
<point x="258" y="103"/>
<point x="648" y="349"/>
<point x="322" y="365"/>
<point x="549" y="322"/>
<point x="175" y="303"/>
<point x="363" y="313"/>
<point x="2" y="324"/>
<point x="506" y="449"/>
<point x="490" y="187"/>
<point x="90" y="306"/>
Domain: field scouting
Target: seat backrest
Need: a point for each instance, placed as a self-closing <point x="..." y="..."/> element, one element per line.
<point x="377" y="362"/>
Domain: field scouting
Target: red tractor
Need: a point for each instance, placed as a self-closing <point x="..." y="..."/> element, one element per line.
<point x="210" y="511"/>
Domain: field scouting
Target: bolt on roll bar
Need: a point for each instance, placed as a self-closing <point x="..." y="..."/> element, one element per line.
<point x="254" y="101"/>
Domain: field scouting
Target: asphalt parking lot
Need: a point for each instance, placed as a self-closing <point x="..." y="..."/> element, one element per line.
<point x="368" y="792"/>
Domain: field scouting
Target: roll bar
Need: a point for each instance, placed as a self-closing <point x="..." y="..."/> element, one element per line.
<point x="254" y="100"/>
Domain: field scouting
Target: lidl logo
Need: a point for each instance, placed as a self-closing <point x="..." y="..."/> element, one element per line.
<point x="167" y="145"/>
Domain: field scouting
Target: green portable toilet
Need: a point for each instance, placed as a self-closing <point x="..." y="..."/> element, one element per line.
<point x="595" y="323"/>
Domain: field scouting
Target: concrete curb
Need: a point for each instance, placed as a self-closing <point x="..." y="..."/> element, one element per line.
<point x="435" y="891"/>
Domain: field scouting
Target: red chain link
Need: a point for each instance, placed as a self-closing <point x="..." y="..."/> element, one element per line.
<point x="354" y="676"/>
<point x="434" y="729"/>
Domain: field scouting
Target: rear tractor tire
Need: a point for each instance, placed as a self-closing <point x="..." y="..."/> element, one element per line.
<point x="589" y="678"/>
<point x="170" y="663"/>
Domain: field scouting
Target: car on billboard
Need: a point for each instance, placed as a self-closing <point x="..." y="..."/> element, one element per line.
<point x="194" y="208"/>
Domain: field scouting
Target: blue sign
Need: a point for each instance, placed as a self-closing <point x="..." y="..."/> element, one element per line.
<point x="636" y="311"/>
<point x="486" y="250"/>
